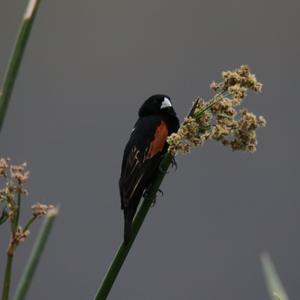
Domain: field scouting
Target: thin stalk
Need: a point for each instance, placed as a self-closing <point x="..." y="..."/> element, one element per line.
<point x="16" y="57"/>
<point x="35" y="256"/>
<point x="11" y="251"/>
<point x="211" y="102"/>
<point x="7" y="277"/>
<point x="17" y="215"/>
<point x="31" y="220"/>
<point x="123" y="251"/>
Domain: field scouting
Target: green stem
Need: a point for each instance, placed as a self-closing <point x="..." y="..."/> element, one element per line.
<point x="35" y="256"/>
<point x="17" y="215"/>
<point x="16" y="57"/>
<point x="11" y="251"/>
<point x="274" y="285"/>
<point x="123" y="251"/>
<point x="210" y="103"/>
<point x="31" y="220"/>
<point x="7" y="277"/>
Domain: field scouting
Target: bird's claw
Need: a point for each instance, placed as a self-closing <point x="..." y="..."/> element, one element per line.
<point x="155" y="198"/>
<point x="174" y="163"/>
<point x="161" y="192"/>
<point x="146" y="194"/>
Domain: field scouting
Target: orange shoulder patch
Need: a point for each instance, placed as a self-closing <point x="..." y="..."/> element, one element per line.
<point x="158" y="143"/>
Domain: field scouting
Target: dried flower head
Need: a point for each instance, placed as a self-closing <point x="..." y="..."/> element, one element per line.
<point x="3" y="167"/>
<point x="240" y="78"/>
<point x="218" y="118"/>
<point x="214" y="86"/>
<point x="237" y="82"/>
<point x="40" y="209"/>
<point x="21" y="234"/>
<point x="14" y="185"/>
<point x="10" y="199"/>
<point x="7" y="195"/>
<point x="19" y="173"/>
<point x="192" y="131"/>
<point x="245" y="134"/>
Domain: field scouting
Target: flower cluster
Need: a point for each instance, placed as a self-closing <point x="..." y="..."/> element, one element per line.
<point x="238" y="81"/>
<point x="3" y="167"/>
<point x="244" y="136"/>
<point x="21" y="234"/>
<point x="219" y="119"/>
<point x="39" y="209"/>
<point x="19" y="173"/>
<point x="15" y="177"/>
<point x="192" y="131"/>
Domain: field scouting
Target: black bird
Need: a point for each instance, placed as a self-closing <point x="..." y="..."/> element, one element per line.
<point x="143" y="153"/>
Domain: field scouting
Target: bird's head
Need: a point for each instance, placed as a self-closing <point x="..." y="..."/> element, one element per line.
<point x="157" y="104"/>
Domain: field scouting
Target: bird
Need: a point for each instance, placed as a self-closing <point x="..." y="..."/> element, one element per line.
<point x="143" y="153"/>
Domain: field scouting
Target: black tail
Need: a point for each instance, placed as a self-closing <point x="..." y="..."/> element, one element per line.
<point x="128" y="217"/>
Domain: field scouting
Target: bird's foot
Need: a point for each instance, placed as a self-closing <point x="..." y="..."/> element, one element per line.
<point x="155" y="198"/>
<point x="174" y="163"/>
<point x="161" y="192"/>
<point x="146" y="194"/>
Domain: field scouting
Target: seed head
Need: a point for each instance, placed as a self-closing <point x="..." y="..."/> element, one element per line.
<point x="21" y="235"/>
<point x="3" y="167"/>
<point x="19" y="173"/>
<point x="219" y="119"/>
<point x="40" y="209"/>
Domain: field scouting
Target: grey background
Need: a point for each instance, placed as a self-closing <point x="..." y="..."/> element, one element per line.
<point x="87" y="69"/>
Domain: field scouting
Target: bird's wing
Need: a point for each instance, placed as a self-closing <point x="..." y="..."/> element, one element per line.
<point x="141" y="157"/>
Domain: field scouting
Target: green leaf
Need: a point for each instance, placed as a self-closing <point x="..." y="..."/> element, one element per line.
<point x="273" y="283"/>
<point x="35" y="255"/>
<point x="16" y="57"/>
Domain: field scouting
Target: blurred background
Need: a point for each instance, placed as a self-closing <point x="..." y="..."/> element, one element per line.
<point x="88" y="67"/>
